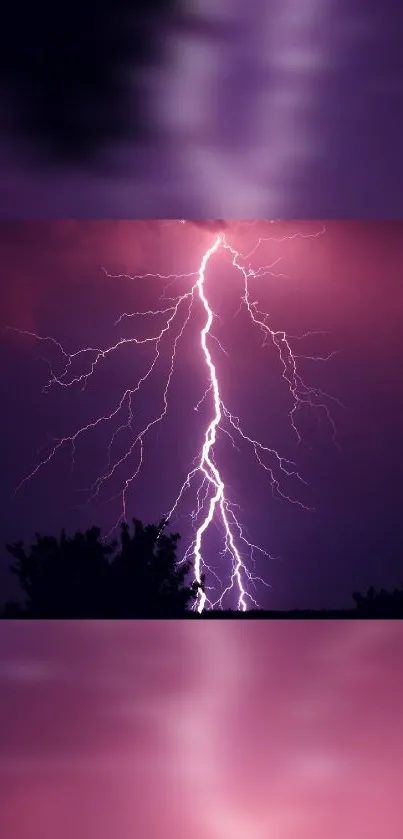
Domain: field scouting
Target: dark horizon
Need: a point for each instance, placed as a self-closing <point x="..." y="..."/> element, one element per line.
<point x="143" y="575"/>
<point x="344" y="281"/>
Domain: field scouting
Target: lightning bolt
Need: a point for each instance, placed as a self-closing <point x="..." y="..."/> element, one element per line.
<point x="214" y="505"/>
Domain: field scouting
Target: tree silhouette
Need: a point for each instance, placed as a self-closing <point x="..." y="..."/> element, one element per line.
<point x="87" y="577"/>
<point x="136" y="576"/>
<point x="381" y="603"/>
<point x="145" y="577"/>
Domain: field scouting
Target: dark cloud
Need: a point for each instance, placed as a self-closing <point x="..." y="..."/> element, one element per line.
<point x="64" y="70"/>
<point x="270" y="128"/>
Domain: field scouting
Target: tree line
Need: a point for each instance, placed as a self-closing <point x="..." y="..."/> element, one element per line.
<point x="88" y="577"/>
<point x="137" y="575"/>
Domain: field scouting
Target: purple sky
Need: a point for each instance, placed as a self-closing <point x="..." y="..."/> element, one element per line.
<point x="313" y="125"/>
<point x="217" y="730"/>
<point x="345" y="282"/>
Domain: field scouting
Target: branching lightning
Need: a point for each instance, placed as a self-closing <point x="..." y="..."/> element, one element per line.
<point x="213" y="503"/>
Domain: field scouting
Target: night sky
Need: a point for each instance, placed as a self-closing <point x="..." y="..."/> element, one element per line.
<point x="345" y="282"/>
<point x="215" y="730"/>
<point x="182" y="109"/>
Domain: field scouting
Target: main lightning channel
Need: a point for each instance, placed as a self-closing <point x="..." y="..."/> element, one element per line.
<point x="206" y="464"/>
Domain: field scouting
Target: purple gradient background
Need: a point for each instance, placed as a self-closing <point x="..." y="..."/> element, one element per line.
<point x="313" y="127"/>
<point x="346" y="281"/>
<point x="216" y="730"/>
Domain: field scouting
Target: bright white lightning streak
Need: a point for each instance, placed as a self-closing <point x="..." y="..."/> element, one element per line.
<point x="213" y="504"/>
<point x="206" y="464"/>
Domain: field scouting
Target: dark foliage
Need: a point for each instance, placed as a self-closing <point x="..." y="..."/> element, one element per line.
<point x="145" y="579"/>
<point x="138" y="576"/>
<point x="388" y="604"/>
<point x="72" y="71"/>
<point x="85" y="577"/>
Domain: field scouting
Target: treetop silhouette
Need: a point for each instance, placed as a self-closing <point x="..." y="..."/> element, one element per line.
<point x="87" y="577"/>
